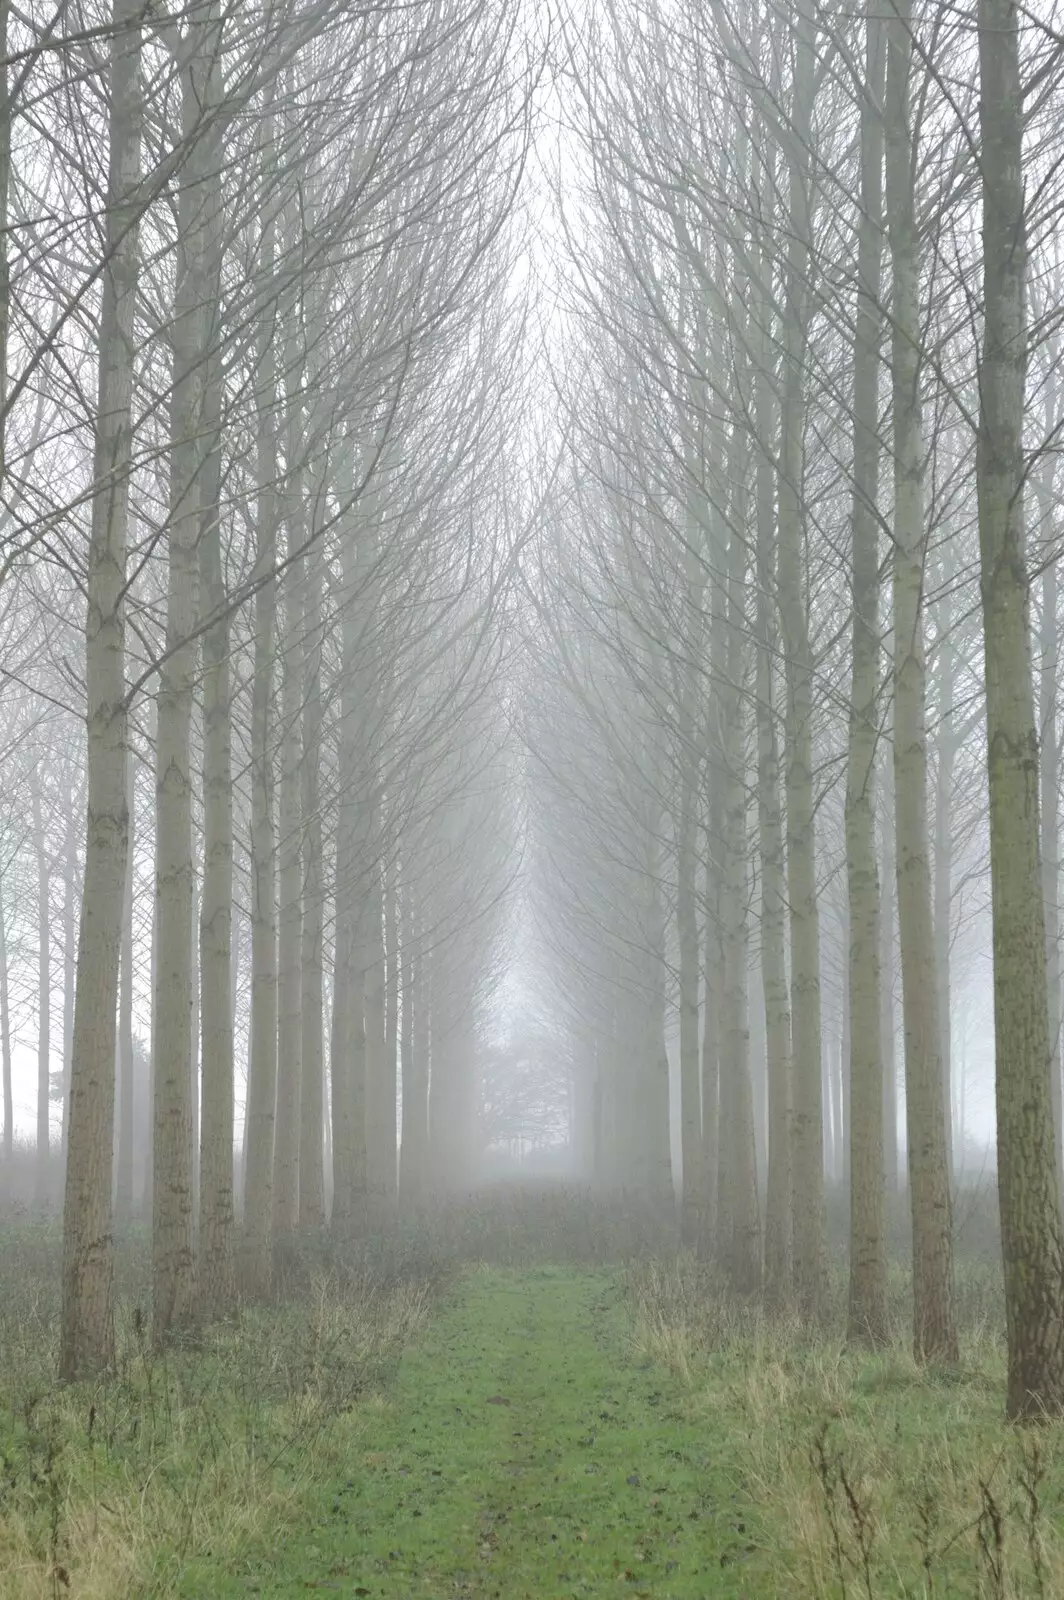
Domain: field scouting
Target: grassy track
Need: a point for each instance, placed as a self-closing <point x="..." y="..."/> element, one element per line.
<point x="523" y="1452"/>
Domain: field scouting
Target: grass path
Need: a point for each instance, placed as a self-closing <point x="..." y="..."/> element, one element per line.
<point x="523" y="1452"/>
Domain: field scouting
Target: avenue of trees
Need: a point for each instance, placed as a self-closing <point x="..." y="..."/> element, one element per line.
<point x="557" y="514"/>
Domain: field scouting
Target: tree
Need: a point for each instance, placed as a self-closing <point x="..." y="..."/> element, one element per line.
<point x="1029" y="1198"/>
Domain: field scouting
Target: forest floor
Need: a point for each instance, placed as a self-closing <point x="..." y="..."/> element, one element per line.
<point x="492" y="1406"/>
<point x="523" y="1453"/>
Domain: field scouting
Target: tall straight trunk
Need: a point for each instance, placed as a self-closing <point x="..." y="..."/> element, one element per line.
<point x="690" y="963"/>
<point x="810" y="1261"/>
<point x="290" y="925"/>
<point x="1050" y="813"/>
<point x="44" y="1005"/>
<point x="257" y="1263"/>
<point x="1050" y="794"/>
<point x="867" y="1316"/>
<point x="934" y="1327"/>
<point x="126" y="1130"/>
<point x="175" y="1051"/>
<point x="149" y="1087"/>
<point x="414" y="1149"/>
<point x="348" y="1043"/>
<point x="711" y="1026"/>
<point x="87" y="1321"/>
<point x="1028" y="1190"/>
<point x="5" y="1045"/>
<point x="216" y="1284"/>
<point x="887" y="970"/>
<point x="943" y="876"/>
<point x="311" y="1104"/>
<point x="689" y="764"/>
<point x="290" y="943"/>
<point x="380" y="1071"/>
<point x="391" y="1008"/>
<point x="70" y="948"/>
<point x="651" y="1100"/>
<point x="739" y="1223"/>
<point x="775" y="994"/>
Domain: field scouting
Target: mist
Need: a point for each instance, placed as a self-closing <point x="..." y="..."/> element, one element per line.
<point x="530" y="797"/>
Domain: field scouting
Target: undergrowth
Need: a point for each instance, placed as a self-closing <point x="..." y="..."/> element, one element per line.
<point x="106" y="1488"/>
<point x="874" y="1477"/>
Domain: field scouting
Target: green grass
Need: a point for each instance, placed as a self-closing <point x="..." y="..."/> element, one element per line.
<point x="524" y="1451"/>
<point x="873" y="1477"/>
<point x="109" y="1489"/>
<point x="409" y="1420"/>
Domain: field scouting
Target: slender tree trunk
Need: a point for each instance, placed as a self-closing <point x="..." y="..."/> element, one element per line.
<point x="87" y="1322"/>
<point x="42" y="1186"/>
<point x="216" y="1284"/>
<point x="290" y="986"/>
<point x="311" y="1107"/>
<point x="70" y="949"/>
<point x="257" y="1264"/>
<point x="887" y="968"/>
<point x="943" y="879"/>
<point x="868" y="1251"/>
<point x="380" y="1071"/>
<point x="934" y="1328"/>
<point x="1028" y="1191"/>
<point x="126" y="1130"/>
<point x="5" y="1046"/>
<point x="810" y="1261"/>
<point x="1050" y="817"/>
<point x="414" y="1150"/>
<point x="776" y="997"/>
<point x="391" y="1013"/>
<point x="348" y="1045"/>
<point x="692" y="1179"/>
<point x="175" y="1049"/>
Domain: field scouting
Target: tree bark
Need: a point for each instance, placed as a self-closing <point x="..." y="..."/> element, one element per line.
<point x="311" y="1106"/>
<point x="1028" y="1191"/>
<point x="257" y="1254"/>
<point x="867" y="1317"/>
<point x="810" y="1261"/>
<point x="87" y="1321"/>
<point x="934" y="1328"/>
<point x="5" y="1048"/>
<point x="42" y="1184"/>
<point x="126" y="1131"/>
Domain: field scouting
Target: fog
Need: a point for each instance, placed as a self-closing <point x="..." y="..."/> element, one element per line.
<point x="530" y="725"/>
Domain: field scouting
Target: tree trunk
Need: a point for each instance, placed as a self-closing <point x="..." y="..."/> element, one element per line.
<point x="42" y="1185"/>
<point x="887" y="969"/>
<point x="778" y="1221"/>
<point x="943" y="880"/>
<point x="257" y="1262"/>
<point x="867" y="1317"/>
<point x="1028" y="1191"/>
<point x="311" y="1105"/>
<point x="5" y="1048"/>
<point x="126" y="1131"/>
<point x="1050" y="816"/>
<point x="176" y="1046"/>
<point x="391" y="1012"/>
<point x="380" y="1071"/>
<point x="414" y="1149"/>
<point x="87" y="1322"/>
<point x="290" y="948"/>
<point x="934" y="1329"/>
<point x="810" y="1261"/>
<point x="216" y="1284"/>
<point x="70" y="946"/>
